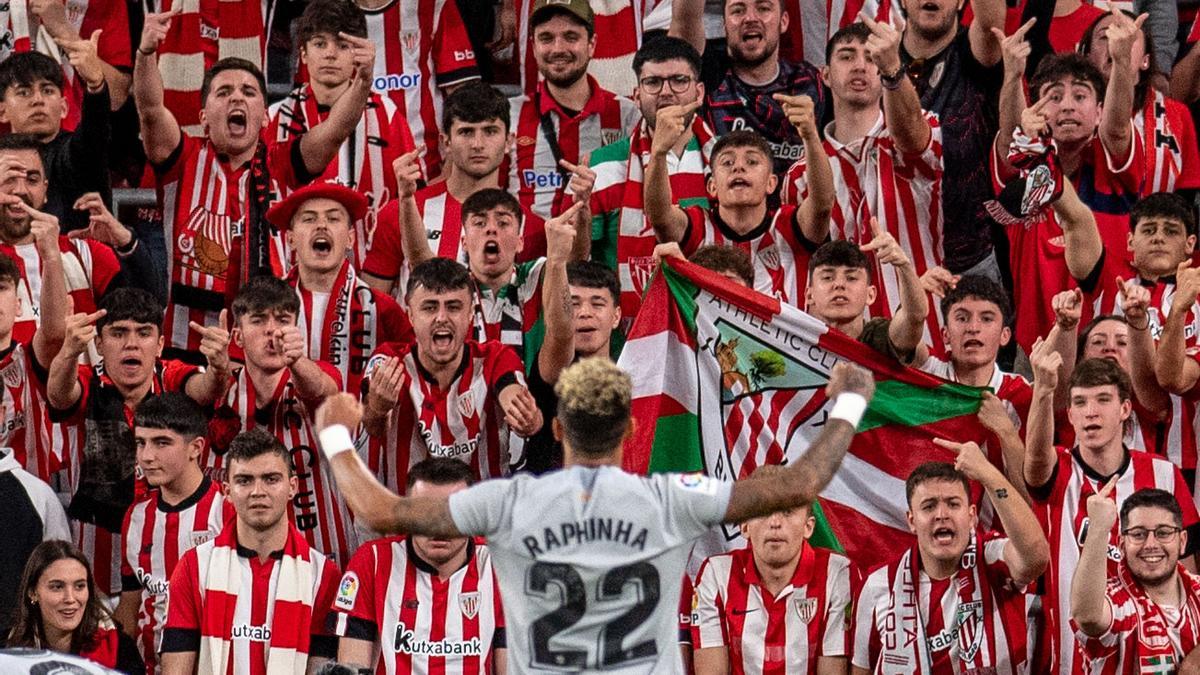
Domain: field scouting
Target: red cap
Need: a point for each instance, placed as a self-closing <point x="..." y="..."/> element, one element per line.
<point x="281" y="212"/>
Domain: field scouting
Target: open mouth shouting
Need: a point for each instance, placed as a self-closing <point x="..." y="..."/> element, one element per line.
<point x="322" y="244"/>
<point x="442" y="338"/>
<point x="491" y="251"/>
<point x="943" y="536"/>
<point x="237" y="122"/>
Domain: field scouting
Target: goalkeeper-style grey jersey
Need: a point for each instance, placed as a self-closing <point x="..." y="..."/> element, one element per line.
<point x="589" y="561"/>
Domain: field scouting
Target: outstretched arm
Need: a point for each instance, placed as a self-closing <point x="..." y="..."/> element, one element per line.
<point x="907" y="328"/>
<point x="1039" y="432"/>
<point x="989" y="14"/>
<point x="687" y="22"/>
<point x="160" y="131"/>
<point x="48" y="338"/>
<point x="558" y="345"/>
<point x="906" y="122"/>
<point x="208" y="386"/>
<point x="320" y="145"/>
<point x="380" y="509"/>
<point x="413" y="240"/>
<point x="668" y="220"/>
<point x="1016" y="52"/>
<point x="1089" y="602"/>
<point x="812" y="216"/>
<point x="1082" y="245"/>
<point x="1027" y="552"/>
<point x="1064" y="337"/>
<point x="1135" y="303"/>
<point x="1116" y="127"/>
<point x="850" y="387"/>
<point x="1174" y="370"/>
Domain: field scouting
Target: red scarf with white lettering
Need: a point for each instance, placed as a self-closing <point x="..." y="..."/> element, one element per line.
<point x="930" y="654"/>
<point x="221" y="587"/>
<point x="1153" y="632"/>
<point x="349" y="326"/>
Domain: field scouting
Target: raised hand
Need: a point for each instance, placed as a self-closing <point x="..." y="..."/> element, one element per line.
<point x="43" y="226"/>
<point x="1035" y="119"/>
<point x="1102" y="509"/>
<point x="520" y="410"/>
<point x="155" y="28"/>
<point x="938" y="281"/>
<point x="341" y="408"/>
<point x="669" y="249"/>
<point x="1135" y="303"/>
<point x="800" y="111"/>
<point x="993" y="415"/>
<point x="560" y="233"/>
<point x="1122" y="34"/>
<point x="362" y="53"/>
<point x="291" y="343"/>
<point x="383" y="392"/>
<point x="583" y="179"/>
<point x="849" y="378"/>
<point x="84" y="56"/>
<point x="1187" y="282"/>
<point x="81" y="331"/>
<point x="214" y="342"/>
<point x="883" y="46"/>
<point x="408" y="173"/>
<point x="1068" y="308"/>
<point x="103" y="226"/>
<point x="670" y="124"/>
<point x="970" y="459"/>
<point x="1015" y="48"/>
<point x="887" y="250"/>
<point x="1046" y="363"/>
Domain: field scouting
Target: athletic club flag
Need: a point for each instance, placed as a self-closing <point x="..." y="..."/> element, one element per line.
<point x="726" y="379"/>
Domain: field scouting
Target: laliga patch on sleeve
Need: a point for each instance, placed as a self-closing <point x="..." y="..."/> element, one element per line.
<point x="347" y="592"/>
<point x="375" y="362"/>
<point x="697" y="482"/>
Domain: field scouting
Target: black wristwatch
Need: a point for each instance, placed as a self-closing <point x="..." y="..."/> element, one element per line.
<point x="892" y="82"/>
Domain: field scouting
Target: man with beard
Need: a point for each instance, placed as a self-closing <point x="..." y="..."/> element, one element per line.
<point x="364" y="162"/>
<point x="95" y="405"/>
<point x="214" y="190"/>
<point x="745" y="98"/>
<point x="454" y="574"/>
<point x="444" y="395"/>
<point x="476" y="138"/>
<point x="668" y="74"/>
<point x="569" y="115"/>
<point x="89" y="268"/>
<point x="955" y="72"/>
<point x="954" y="602"/>
<point x="1149" y="612"/>
<point x="1061" y="479"/>
<point x="343" y="318"/>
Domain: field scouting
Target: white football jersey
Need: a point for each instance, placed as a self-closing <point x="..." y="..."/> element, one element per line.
<point x="589" y="561"/>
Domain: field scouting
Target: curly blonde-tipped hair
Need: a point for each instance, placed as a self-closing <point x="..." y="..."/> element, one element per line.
<point x="593" y="405"/>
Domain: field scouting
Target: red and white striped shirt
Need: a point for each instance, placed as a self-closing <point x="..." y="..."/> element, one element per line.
<point x="317" y="510"/>
<point x="464" y="422"/>
<point x="944" y="623"/>
<point x="254" y="612"/>
<point x="205" y="203"/>
<point x="533" y="171"/>
<point x="1172" y="154"/>
<point x="26" y="420"/>
<point x="345" y="326"/>
<point x="1134" y="642"/>
<point x="902" y="191"/>
<point x="1061" y="505"/>
<point x="88" y="268"/>
<point x="786" y="632"/>
<point x="74" y="429"/>
<point x="364" y="162"/>
<point x="441" y="214"/>
<point x="422" y="623"/>
<point x="424" y="49"/>
<point x="156" y="535"/>
<point x="778" y="249"/>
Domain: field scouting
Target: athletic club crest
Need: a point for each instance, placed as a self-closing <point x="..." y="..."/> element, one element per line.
<point x="970" y="629"/>
<point x="469" y="604"/>
<point x="466" y="404"/>
<point x="806" y="608"/>
<point x="410" y="39"/>
<point x="769" y="257"/>
<point x="13" y="375"/>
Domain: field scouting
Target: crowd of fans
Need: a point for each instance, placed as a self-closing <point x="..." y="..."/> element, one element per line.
<point x="458" y="200"/>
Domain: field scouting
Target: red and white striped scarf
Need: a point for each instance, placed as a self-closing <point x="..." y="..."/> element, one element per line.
<point x="364" y="161"/>
<point x="220" y="585"/>
<point x="1152" y="626"/>
<point x="349" y="328"/>
<point x="932" y="652"/>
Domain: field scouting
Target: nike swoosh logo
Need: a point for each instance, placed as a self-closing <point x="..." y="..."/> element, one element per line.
<point x="739" y="612"/>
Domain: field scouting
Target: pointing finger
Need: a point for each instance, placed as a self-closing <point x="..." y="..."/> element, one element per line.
<point x="866" y="19"/>
<point x="223" y="319"/>
<point x="1109" y="487"/>
<point x="1025" y="27"/>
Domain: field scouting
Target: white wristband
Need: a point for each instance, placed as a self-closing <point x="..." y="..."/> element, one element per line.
<point x="849" y="407"/>
<point x="335" y="440"/>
